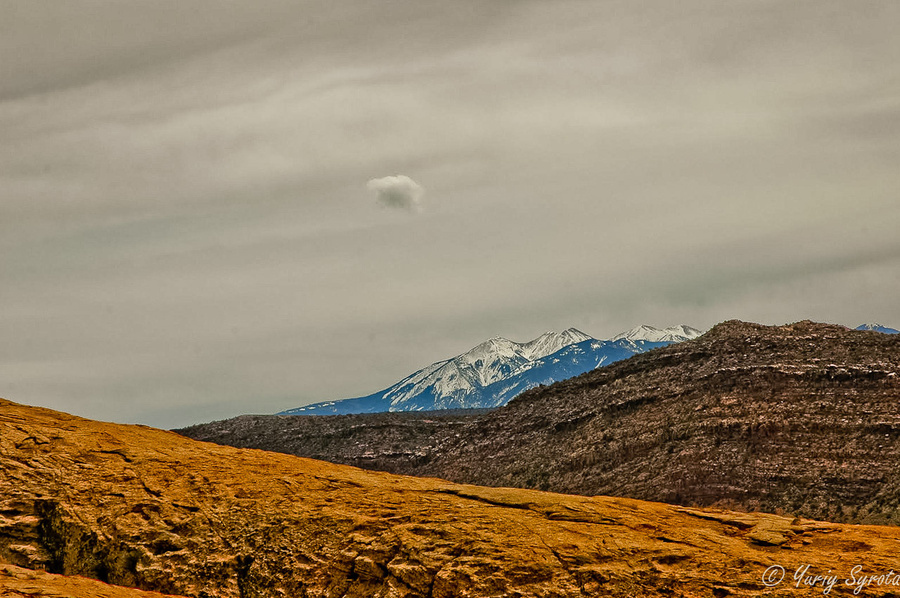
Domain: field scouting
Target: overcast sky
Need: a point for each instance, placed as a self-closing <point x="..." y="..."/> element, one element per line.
<point x="210" y="208"/>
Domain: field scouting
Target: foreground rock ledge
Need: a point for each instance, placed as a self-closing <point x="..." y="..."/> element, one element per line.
<point x="17" y="582"/>
<point x="149" y="509"/>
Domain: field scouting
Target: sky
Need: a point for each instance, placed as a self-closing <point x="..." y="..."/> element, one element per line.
<point x="211" y="208"/>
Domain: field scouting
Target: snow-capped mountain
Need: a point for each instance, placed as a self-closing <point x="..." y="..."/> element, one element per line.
<point x="493" y="372"/>
<point x="877" y="328"/>
<point x="672" y="334"/>
<point x="551" y="342"/>
<point x="499" y="358"/>
<point x="566" y="363"/>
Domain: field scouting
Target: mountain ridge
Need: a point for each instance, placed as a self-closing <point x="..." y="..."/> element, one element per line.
<point x="494" y="371"/>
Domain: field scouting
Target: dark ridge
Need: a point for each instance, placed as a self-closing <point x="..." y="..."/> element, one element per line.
<point x="389" y="441"/>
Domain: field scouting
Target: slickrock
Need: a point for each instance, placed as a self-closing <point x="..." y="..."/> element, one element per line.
<point x="16" y="582"/>
<point x="145" y="508"/>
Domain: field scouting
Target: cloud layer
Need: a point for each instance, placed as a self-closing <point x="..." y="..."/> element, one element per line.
<point x="398" y="191"/>
<point x="184" y="235"/>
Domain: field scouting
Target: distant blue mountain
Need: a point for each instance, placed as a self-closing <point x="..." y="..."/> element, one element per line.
<point x="497" y="370"/>
<point x="877" y="328"/>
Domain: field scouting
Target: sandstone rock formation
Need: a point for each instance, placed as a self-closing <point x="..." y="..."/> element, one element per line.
<point x="17" y="582"/>
<point x="144" y="508"/>
<point x="800" y="418"/>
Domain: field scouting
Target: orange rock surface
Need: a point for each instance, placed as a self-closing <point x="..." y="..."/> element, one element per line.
<point x="145" y="508"/>
<point x="16" y="582"/>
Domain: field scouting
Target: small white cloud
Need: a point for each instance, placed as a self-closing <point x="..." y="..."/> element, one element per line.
<point x="397" y="192"/>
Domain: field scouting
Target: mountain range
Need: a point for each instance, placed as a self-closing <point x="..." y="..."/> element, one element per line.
<point x="497" y="370"/>
<point x="799" y="418"/>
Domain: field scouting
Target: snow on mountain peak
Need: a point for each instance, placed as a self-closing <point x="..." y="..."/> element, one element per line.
<point x="685" y="331"/>
<point x="655" y="335"/>
<point x="576" y="334"/>
<point x="499" y="357"/>
<point x="489" y="361"/>
<point x="492" y="345"/>
<point x="551" y="342"/>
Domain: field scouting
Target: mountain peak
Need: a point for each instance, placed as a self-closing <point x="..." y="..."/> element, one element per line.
<point x="575" y="333"/>
<point x="551" y="342"/>
<point x="494" y="345"/>
<point x="655" y="335"/>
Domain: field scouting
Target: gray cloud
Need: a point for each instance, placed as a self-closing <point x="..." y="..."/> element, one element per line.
<point x="398" y="191"/>
<point x="178" y="223"/>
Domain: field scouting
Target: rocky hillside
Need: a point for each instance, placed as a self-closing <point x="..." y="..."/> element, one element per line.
<point x="143" y="508"/>
<point x="393" y="442"/>
<point x="801" y="419"/>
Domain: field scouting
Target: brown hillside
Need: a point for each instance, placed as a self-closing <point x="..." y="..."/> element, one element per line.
<point x="392" y="442"/>
<point x="140" y="507"/>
